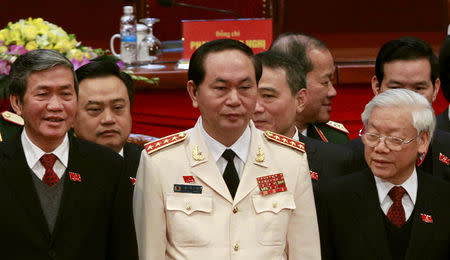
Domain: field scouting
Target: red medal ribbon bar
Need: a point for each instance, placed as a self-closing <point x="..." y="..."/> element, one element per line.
<point x="271" y="184"/>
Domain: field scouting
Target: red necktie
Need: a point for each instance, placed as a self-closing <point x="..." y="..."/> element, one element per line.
<point x="396" y="213"/>
<point x="50" y="177"/>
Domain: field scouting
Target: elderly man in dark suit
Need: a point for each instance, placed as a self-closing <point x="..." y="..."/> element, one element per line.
<point x="393" y="210"/>
<point x="105" y="100"/>
<point x="62" y="197"/>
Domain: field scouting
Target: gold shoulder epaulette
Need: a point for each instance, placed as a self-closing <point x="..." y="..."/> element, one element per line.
<point x="337" y="126"/>
<point x="159" y="144"/>
<point x="285" y="140"/>
<point x="12" y="117"/>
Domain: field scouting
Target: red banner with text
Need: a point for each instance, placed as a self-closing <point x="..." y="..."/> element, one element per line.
<point x="256" y="33"/>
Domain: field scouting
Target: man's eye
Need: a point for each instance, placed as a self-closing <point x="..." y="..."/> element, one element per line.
<point x="118" y="107"/>
<point x="267" y="96"/>
<point x="93" y="109"/>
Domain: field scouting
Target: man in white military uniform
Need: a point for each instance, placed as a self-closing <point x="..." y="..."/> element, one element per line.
<point x="225" y="190"/>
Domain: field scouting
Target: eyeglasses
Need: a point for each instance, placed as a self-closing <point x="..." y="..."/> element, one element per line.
<point x="391" y="142"/>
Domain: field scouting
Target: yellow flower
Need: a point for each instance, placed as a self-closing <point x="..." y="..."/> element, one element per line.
<point x="4" y="34"/>
<point x="3" y="49"/>
<point x="63" y="46"/>
<point x="75" y="53"/>
<point x="29" y="32"/>
<point x="31" y="46"/>
<point x="14" y="36"/>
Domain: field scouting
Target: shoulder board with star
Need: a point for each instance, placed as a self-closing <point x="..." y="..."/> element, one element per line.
<point x="281" y="139"/>
<point x="12" y="117"/>
<point x="337" y="126"/>
<point x="164" y="142"/>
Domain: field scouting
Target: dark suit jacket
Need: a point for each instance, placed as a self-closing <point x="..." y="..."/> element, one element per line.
<point x="352" y="225"/>
<point x="442" y="121"/>
<point x="95" y="216"/>
<point x="433" y="163"/>
<point x="132" y="156"/>
<point x="328" y="160"/>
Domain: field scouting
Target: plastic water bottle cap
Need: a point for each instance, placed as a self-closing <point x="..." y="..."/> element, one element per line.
<point x="128" y="9"/>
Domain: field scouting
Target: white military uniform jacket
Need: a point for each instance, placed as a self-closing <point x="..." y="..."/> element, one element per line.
<point x="211" y="225"/>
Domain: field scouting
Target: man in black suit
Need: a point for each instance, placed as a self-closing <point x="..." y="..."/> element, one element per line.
<point x="105" y="100"/>
<point x="281" y="95"/>
<point x="62" y="197"/>
<point x="393" y="210"/>
<point x="442" y="121"/>
<point x="411" y="64"/>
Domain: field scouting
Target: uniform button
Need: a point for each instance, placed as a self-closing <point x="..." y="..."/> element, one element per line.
<point x="235" y="210"/>
<point x="236" y="247"/>
<point x="274" y="205"/>
<point x="188" y="207"/>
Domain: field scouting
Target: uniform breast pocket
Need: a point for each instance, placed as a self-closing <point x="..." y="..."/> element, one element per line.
<point x="187" y="217"/>
<point x="272" y="217"/>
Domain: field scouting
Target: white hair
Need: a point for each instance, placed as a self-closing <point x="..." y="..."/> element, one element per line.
<point x="422" y="112"/>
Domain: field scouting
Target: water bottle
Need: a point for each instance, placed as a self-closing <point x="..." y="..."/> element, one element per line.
<point x="128" y="36"/>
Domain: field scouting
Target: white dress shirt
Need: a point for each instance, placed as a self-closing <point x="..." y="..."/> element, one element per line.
<point x="216" y="149"/>
<point x="34" y="153"/>
<point x="295" y="137"/>
<point x="409" y="198"/>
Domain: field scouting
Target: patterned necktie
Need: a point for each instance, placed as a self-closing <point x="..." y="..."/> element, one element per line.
<point x="50" y="178"/>
<point x="396" y="213"/>
<point x="230" y="174"/>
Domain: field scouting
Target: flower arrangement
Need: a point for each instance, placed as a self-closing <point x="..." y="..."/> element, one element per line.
<point x="30" y="34"/>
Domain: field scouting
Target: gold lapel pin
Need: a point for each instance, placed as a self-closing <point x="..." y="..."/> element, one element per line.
<point x="196" y="154"/>
<point x="259" y="155"/>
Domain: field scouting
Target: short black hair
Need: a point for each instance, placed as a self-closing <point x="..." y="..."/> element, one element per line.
<point x="295" y="72"/>
<point x="406" y="48"/>
<point x="34" y="61"/>
<point x="197" y="71"/>
<point x="444" y="68"/>
<point x="297" y="45"/>
<point x="99" y="69"/>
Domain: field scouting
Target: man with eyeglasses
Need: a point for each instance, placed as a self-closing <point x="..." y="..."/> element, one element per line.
<point x="393" y="209"/>
<point x="410" y="63"/>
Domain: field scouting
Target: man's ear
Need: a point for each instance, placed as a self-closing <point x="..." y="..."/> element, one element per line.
<point x="301" y="98"/>
<point x="437" y="85"/>
<point x="376" y="86"/>
<point x="424" y="141"/>
<point x="192" y="90"/>
<point x="16" y="104"/>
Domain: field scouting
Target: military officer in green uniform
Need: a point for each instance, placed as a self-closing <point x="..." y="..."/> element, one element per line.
<point x="313" y="54"/>
<point x="10" y="125"/>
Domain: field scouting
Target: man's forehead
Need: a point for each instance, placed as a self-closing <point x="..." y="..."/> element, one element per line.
<point x="392" y="68"/>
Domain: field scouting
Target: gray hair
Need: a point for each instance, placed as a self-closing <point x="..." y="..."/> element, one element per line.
<point x="422" y="112"/>
<point x="36" y="60"/>
<point x="298" y="45"/>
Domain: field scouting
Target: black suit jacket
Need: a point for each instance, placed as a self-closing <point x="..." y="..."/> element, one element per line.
<point x="352" y="226"/>
<point x="132" y="156"/>
<point x="433" y="163"/>
<point x="95" y="216"/>
<point x="442" y="121"/>
<point x="328" y="160"/>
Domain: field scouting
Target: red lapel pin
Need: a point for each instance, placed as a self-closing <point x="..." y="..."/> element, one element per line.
<point x="75" y="176"/>
<point x="426" y="218"/>
<point x="444" y="159"/>
<point x="133" y="180"/>
<point x="314" y="175"/>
